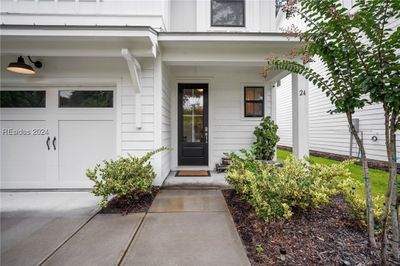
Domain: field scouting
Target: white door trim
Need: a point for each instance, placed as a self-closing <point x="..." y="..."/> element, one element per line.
<point x="174" y="117"/>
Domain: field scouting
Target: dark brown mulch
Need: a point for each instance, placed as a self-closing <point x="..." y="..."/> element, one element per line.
<point x="127" y="205"/>
<point x="324" y="236"/>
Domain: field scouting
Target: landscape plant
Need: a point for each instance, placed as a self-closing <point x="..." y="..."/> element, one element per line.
<point x="275" y="191"/>
<point x="359" y="50"/>
<point x="266" y="139"/>
<point x="125" y="177"/>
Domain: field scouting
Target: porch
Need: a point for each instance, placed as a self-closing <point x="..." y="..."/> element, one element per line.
<point x="224" y="67"/>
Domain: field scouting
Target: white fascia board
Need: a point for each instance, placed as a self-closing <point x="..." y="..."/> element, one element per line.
<point x="76" y="31"/>
<point x="230" y="37"/>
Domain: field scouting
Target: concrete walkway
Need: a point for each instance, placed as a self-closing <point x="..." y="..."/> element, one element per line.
<point x="187" y="227"/>
<point x="34" y="224"/>
<point x="182" y="227"/>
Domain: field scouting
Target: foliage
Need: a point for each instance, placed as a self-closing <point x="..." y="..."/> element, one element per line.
<point x="124" y="177"/>
<point x="266" y="139"/>
<point x="379" y="180"/>
<point x="259" y="248"/>
<point x="275" y="191"/>
<point x="359" y="49"/>
<point x="356" y="201"/>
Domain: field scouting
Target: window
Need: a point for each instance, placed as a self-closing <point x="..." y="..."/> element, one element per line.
<point x="23" y="99"/>
<point x="254" y="101"/>
<point x="227" y="13"/>
<point x="84" y="99"/>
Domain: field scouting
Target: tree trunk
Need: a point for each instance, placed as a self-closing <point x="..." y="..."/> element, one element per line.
<point x="391" y="202"/>
<point x="367" y="183"/>
<point x="393" y="181"/>
<point x="388" y="195"/>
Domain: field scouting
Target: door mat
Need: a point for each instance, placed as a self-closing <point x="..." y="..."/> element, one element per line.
<point x="193" y="173"/>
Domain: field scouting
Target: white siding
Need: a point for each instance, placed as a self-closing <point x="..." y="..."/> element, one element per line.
<point x="329" y="133"/>
<point x="166" y="121"/>
<point x="154" y="13"/>
<point x="183" y="15"/>
<point x="228" y="130"/>
<point x="133" y="140"/>
<point x="284" y="111"/>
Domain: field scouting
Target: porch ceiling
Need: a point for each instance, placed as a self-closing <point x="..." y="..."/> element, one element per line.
<point x="241" y="49"/>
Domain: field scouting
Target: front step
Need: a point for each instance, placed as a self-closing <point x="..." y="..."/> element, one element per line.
<point x="188" y="187"/>
<point x="214" y="181"/>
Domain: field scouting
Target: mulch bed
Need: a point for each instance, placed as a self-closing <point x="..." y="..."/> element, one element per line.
<point x="323" y="236"/>
<point x="127" y="205"/>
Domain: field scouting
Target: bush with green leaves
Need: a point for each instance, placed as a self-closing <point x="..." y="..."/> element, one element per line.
<point x="275" y="191"/>
<point x="357" y="203"/>
<point x="125" y="177"/>
<point x="266" y="139"/>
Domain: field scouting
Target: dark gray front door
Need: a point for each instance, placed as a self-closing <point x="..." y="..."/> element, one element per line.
<point x="192" y="124"/>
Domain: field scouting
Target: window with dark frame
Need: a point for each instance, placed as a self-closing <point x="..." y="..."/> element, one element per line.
<point x="85" y="99"/>
<point x="253" y="101"/>
<point x="227" y="13"/>
<point x="23" y="99"/>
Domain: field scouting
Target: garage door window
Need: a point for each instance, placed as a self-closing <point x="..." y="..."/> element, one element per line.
<point x="86" y="99"/>
<point x="23" y="99"/>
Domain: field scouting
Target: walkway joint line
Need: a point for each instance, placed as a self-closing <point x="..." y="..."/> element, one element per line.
<point x="97" y="210"/>
<point x="132" y="238"/>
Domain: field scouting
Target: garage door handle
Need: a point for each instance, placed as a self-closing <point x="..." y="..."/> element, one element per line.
<point x="54" y="143"/>
<point x="48" y="143"/>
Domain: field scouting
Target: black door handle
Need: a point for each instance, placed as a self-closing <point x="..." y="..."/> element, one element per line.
<point x="54" y="143"/>
<point x="48" y="143"/>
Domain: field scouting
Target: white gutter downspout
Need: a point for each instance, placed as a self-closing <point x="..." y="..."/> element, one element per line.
<point x="135" y="71"/>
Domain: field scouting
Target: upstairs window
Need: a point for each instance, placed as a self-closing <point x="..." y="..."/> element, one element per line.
<point x="253" y="101"/>
<point x="227" y="13"/>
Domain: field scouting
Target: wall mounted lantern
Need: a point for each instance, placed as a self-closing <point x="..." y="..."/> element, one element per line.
<point x="22" y="68"/>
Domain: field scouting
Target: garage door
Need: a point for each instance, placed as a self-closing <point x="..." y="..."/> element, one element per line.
<point x="49" y="137"/>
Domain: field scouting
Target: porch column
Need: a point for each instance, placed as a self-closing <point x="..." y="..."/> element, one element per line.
<point x="300" y="116"/>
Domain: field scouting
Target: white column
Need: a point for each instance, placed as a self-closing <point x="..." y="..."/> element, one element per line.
<point x="300" y="116"/>
<point x="273" y="111"/>
<point x="157" y="120"/>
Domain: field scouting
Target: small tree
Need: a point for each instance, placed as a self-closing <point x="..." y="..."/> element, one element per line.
<point x="359" y="51"/>
<point x="266" y="139"/>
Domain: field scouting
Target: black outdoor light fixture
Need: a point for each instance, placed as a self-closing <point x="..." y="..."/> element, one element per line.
<point x="22" y="68"/>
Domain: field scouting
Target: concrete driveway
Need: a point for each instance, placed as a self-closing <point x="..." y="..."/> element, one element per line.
<point x="34" y="224"/>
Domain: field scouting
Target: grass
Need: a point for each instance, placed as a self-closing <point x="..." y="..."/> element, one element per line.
<point x="379" y="178"/>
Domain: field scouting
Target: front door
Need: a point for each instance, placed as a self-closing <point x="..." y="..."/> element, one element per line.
<point x="193" y="124"/>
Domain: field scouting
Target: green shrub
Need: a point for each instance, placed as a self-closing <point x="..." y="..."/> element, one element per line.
<point x="275" y="191"/>
<point x="266" y="139"/>
<point x="358" y="203"/>
<point x="124" y="177"/>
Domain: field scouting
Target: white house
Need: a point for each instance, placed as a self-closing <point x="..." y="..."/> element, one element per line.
<point x="329" y="133"/>
<point x="121" y="77"/>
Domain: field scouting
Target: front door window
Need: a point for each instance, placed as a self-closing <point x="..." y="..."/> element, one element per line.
<point x="193" y="117"/>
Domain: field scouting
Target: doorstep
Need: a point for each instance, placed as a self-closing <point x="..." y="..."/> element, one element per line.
<point x="215" y="180"/>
